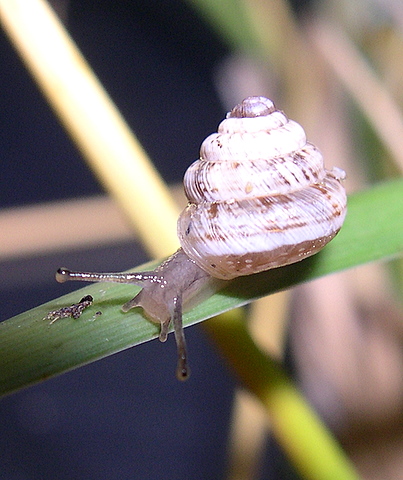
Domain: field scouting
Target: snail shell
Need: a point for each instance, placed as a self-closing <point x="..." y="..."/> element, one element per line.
<point x="259" y="196"/>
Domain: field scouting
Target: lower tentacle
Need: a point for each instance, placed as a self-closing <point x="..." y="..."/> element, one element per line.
<point x="182" y="369"/>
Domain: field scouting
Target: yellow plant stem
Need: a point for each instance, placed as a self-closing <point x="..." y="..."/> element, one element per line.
<point x="307" y="442"/>
<point x="92" y="120"/>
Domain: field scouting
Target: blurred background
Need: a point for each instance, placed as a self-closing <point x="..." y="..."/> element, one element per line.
<point x="174" y="68"/>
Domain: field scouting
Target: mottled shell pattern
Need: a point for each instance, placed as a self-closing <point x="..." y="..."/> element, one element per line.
<point x="259" y="196"/>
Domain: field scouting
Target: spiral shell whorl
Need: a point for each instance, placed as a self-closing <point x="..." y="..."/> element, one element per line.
<point x="252" y="107"/>
<point x="259" y="195"/>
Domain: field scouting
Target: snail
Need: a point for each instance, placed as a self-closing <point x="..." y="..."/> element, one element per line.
<point x="259" y="198"/>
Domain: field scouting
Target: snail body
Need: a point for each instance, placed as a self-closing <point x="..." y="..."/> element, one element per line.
<point x="259" y="198"/>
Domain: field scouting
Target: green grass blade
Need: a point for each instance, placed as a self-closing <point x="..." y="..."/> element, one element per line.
<point x="32" y="350"/>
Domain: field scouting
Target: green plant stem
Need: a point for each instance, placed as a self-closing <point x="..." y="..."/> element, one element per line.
<point x="310" y="446"/>
<point x="32" y="350"/>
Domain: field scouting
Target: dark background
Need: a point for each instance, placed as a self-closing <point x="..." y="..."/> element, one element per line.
<point x="125" y="416"/>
